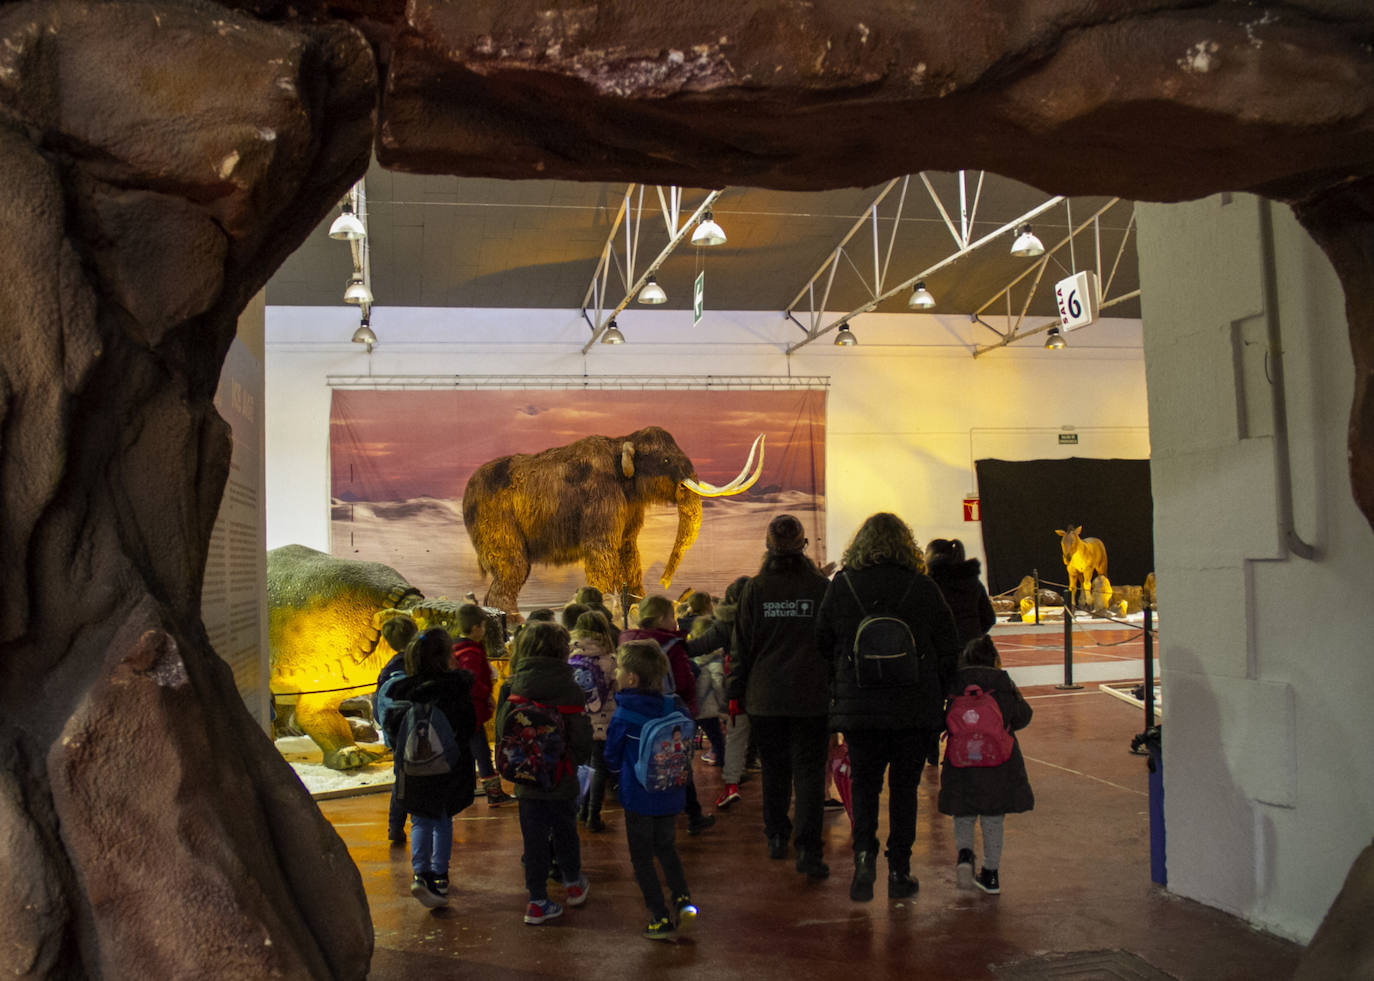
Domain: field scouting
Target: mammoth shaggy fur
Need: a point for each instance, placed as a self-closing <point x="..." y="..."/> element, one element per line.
<point x="583" y="502"/>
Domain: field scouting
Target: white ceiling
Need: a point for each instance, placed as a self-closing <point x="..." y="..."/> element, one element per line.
<point x="443" y="241"/>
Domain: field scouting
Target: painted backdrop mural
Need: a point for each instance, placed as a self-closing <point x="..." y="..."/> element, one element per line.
<point x="399" y="461"/>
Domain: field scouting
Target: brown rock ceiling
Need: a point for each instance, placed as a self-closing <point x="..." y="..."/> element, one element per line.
<point x="160" y="159"/>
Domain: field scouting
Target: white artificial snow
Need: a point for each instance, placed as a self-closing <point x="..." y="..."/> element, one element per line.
<point x="306" y="759"/>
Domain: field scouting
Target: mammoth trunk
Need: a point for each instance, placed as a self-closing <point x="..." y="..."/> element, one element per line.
<point x="688" y="525"/>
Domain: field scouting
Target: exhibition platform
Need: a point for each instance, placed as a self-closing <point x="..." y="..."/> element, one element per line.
<point x="1075" y="880"/>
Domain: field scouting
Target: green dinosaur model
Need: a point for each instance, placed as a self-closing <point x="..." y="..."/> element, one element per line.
<point x="324" y="632"/>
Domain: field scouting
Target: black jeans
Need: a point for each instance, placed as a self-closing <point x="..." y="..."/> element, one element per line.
<point x="693" y="806"/>
<point x="395" y="816"/>
<point x="793" y="750"/>
<point x="651" y="836"/>
<point x="596" y="793"/>
<point x="481" y="753"/>
<point x="902" y="753"/>
<point x="715" y="735"/>
<point x="549" y="826"/>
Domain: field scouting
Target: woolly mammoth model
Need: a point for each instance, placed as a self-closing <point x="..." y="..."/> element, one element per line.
<point x="1084" y="558"/>
<point x="324" y="618"/>
<point x="585" y="502"/>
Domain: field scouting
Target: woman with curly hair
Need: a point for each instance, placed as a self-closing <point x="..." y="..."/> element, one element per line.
<point x="889" y="723"/>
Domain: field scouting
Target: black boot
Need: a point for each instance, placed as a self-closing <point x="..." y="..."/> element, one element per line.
<point x="865" y="871"/>
<point x="810" y="865"/>
<point x="596" y="794"/>
<point x="900" y="883"/>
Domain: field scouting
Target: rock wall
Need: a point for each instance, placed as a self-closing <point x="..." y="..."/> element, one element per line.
<point x="142" y="202"/>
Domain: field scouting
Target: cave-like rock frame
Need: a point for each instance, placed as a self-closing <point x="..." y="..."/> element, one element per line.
<point x="160" y="159"/>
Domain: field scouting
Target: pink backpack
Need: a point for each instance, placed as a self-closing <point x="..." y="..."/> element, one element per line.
<point x="977" y="734"/>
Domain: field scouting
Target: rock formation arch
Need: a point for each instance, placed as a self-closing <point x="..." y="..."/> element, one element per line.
<point x="161" y="158"/>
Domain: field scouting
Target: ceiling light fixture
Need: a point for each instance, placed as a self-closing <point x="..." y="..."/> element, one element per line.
<point x="347" y="227"/>
<point x="613" y="335"/>
<point x="921" y="298"/>
<point x="708" y="232"/>
<point x="356" y="291"/>
<point x="1054" y="341"/>
<point x="364" y="334"/>
<point x="1027" y="246"/>
<point x="652" y="293"/>
<point x="845" y="337"/>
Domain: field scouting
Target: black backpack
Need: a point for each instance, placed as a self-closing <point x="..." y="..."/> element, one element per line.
<point x="884" y="653"/>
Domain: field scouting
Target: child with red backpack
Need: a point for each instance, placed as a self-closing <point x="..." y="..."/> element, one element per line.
<point x="984" y="776"/>
<point x="649" y="743"/>
<point x="544" y="734"/>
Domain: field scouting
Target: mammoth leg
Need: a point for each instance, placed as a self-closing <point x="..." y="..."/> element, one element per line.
<point x="631" y="572"/>
<point x="508" y="574"/>
<point x="601" y="564"/>
<point x="319" y="717"/>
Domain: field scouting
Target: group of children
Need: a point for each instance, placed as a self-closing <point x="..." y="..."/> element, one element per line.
<point x="598" y="693"/>
<point x="603" y="696"/>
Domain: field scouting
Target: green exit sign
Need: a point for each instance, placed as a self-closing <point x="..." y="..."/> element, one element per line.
<point x="1068" y="438"/>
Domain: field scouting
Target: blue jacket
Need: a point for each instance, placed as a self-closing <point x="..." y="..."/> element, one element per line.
<point x="622" y="749"/>
<point x="396" y="667"/>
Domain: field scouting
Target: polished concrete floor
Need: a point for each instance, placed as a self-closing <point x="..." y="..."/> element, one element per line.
<point x="1075" y="877"/>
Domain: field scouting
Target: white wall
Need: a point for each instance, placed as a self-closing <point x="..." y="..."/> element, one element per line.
<point x="1268" y="760"/>
<point x="234" y="594"/>
<point x="909" y="407"/>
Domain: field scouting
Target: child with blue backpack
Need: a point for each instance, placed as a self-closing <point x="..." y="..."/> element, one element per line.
<point x="593" y="664"/>
<point x="431" y="723"/>
<point x="649" y="742"/>
<point x="544" y="734"/>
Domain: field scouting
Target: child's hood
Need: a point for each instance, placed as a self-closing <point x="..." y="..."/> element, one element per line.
<point x="645" y="702"/>
<point x="546" y="679"/>
<point x="464" y="644"/>
<point x="650" y="633"/>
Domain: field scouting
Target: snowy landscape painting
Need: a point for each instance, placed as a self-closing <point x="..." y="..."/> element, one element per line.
<point x="399" y="461"/>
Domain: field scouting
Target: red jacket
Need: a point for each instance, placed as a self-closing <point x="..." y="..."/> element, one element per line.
<point x="472" y="656"/>
<point x="684" y="681"/>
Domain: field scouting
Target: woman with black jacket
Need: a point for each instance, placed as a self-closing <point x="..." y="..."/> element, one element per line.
<point x="958" y="580"/>
<point x="886" y="727"/>
<point x="779" y="675"/>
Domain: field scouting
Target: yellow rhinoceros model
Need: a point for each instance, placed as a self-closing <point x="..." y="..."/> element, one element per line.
<point x="324" y="617"/>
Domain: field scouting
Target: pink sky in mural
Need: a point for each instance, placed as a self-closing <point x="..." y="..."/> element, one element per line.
<point x="410" y="444"/>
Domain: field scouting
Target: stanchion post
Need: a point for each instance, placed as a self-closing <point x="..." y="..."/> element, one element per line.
<point x="1149" y="671"/>
<point x="1068" y="684"/>
<point x="1036" y="596"/>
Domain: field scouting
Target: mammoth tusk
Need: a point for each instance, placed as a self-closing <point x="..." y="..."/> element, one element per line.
<point x="740" y="484"/>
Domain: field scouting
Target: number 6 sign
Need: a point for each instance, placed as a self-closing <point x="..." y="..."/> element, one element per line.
<point x="1077" y="300"/>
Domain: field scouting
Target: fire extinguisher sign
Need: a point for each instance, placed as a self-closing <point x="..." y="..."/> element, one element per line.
<point x="972" y="509"/>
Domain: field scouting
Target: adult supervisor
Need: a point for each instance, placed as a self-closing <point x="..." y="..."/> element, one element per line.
<point x="890" y="709"/>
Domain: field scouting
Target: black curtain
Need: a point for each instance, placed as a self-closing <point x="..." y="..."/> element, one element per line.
<point x="1023" y="502"/>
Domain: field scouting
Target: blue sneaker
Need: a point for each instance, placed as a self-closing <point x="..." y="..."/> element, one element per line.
<point x="540" y="910"/>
